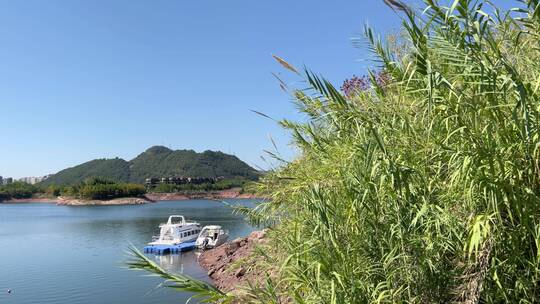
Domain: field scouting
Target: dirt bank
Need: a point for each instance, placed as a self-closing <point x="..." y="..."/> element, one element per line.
<point x="221" y="263"/>
<point x="118" y="201"/>
<point x="212" y="195"/>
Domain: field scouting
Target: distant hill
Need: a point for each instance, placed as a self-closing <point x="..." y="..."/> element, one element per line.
<point x="158" y="161"/>
<point x="116" y="169"/>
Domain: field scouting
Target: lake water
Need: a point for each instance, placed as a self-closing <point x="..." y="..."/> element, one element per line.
<point x="61" y="254"/>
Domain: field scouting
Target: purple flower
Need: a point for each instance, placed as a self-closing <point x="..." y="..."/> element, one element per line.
<point x="356" y="84"/>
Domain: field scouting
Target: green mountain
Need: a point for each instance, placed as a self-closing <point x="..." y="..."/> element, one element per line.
<point x="158" y="161"/>
<point x="116" y="169"/>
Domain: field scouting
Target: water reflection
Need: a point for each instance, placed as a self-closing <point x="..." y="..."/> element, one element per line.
<point x="176" y="262"/>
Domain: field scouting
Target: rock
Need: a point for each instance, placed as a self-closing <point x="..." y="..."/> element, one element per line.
<point x="185" y="195"/>
<point x="232" y="247"/>
<point x="240" y="272"/>
<point x="257" y="235"/>
<point x="237" y="240"/>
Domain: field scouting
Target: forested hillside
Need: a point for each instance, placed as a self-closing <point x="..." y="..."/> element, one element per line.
<point x="115" y="169"/>
<point x="158" y="161"/>
<point x="161" y="161"/>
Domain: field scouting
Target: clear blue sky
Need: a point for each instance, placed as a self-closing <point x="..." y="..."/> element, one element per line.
<point x="101" y="79"/>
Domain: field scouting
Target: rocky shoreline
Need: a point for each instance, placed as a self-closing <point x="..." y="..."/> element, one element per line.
<point x="66" y="201"/>
<point x="212" y="195"/>
<point x="224" y="263"/>
<point x="234" y="193"/>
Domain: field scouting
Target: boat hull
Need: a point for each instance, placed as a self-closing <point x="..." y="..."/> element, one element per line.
<point x="208" y="243"/>
<point x="169" y="249"/>
<point x="171" y="243"/>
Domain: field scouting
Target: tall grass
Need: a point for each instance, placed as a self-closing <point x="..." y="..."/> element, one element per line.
<point x="424" y="189"/>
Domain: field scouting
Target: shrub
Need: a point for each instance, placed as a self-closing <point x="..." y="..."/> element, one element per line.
<point x="104" y="189"/>
<point x="17" y="190"/>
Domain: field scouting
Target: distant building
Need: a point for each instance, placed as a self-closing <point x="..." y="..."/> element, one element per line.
<point x="33" y="179"/>
<point x="153" y="182"/>
<point x="24" y="180"/>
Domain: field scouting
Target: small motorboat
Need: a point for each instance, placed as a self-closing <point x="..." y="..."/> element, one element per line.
<point x="211" y="237"/>
<point x="176" y="231"/>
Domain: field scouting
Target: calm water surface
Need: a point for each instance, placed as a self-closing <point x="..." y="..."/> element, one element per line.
<point x="62" y="254"/>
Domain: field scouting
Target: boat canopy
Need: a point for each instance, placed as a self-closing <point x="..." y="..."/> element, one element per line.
<point x="181" y="217"/>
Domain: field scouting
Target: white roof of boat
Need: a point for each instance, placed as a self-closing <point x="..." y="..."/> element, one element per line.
<point x="212" y="227"/>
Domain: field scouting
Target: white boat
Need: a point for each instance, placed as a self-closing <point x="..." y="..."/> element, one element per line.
<point x="211" y="236"/>
<point x="176" y="231"/>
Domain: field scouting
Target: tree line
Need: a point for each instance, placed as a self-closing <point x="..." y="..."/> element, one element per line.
<point x="103" y="189"/>
<point x="92" y="188"/>
<point x="216" y="186"/>
<point x="18" y="190"/>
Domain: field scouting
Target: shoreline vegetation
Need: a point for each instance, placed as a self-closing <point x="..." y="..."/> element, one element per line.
<point x="234" y="193"/>
<point x="102" y="191"/>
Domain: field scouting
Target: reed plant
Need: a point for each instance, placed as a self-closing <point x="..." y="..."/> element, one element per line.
<point x="423" y="188"/>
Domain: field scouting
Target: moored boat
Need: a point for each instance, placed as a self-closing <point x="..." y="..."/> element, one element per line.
<point x="211" y="237"/>
<point x="176" y="231"/>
